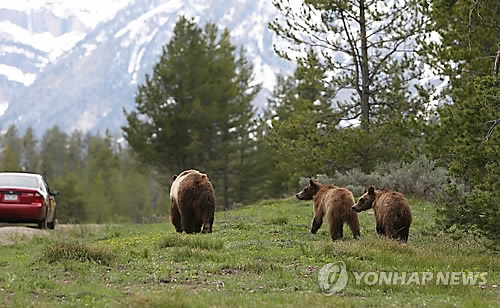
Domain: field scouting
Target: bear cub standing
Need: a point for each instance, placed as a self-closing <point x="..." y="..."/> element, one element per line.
<point x="392" y="212"/>
<point x="334" y="202"/>
<point x="192" y="202"/>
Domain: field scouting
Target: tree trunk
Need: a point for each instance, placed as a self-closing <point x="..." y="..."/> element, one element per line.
<point x="365" y="90"/>
<point x="225" y="188"/>
<point x="496" y="64"/>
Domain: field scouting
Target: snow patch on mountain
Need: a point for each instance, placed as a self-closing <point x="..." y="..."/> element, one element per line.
<point x="140" y="25"/>
<point x="14" y="74"/>
<point x="3" y="107"/>
<point x="137" y="54"/>
<point x="9" y="49"/>
<point x="88" y="49"/>
<point x="89" y="12"/>
<point x="45" y="41"/>
<point x="78" y="60"/>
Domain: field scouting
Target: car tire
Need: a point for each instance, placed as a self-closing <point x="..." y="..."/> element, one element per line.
<point x="52" y="225"/>
<point x="42" y="224"/>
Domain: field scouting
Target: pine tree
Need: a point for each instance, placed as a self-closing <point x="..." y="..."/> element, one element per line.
<point x="71" y="202"/>
<point x="363" y="45"/>
<point x="9" y="161"/>
<point x="476" y="159"/>
<point x="29" y="156"/>
<point x="467" y="47"/>
<point x="52" y="153"/>
<point x="467" y="136"/>
<point x="192" y="112"/>
<point x="11" y="152"/>
<point x="74" y="152"/>
<point x="298" y="118"/>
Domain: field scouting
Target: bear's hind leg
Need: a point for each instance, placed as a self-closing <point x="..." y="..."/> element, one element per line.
<point x="336" y="228"/>
<point x="188" y="223"/>
<point x="175" y="217"/>
<point x="403" y="234"/>
<point x="380" y="229"/>
<point x="354" y="225"/>
<point x="208" y="221"/>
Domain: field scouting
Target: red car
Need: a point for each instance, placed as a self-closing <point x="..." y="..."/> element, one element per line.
<point x="26" y="198"/>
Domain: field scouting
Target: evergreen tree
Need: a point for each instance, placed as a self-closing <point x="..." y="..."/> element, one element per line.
<point x="298" y="116"/>
<point x="52" y="153"/>
<point x="476" y="158"/>
<point x="164" y="130"/>
<point x="467" y="137"/>
<point x="363" y="44"/>
<point x="74" y="152"/>
<point x="468" y="41"/>
<point x="102" y="171"/>
<point x="29" y="161"/>
<point x="9" y="161"/>
<point x="193" y="111"/>
<point x="134" y="193"/>
<point x="350" y="103"/>
<point x="11" y="152"/>
<point x="71" y="203"/>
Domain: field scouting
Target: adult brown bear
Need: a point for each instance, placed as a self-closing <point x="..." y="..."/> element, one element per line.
<point x="392" y="212"/>
<point x="192" y="202"/>
<point x="334" y="202"/>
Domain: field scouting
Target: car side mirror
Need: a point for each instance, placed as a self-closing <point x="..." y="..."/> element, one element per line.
<point x="54" y="193"/>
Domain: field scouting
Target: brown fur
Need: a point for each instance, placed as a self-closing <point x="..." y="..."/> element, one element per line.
<point x="392" y="212"/>
<point x="192" y="202"/>
<point x="333" y="202"/>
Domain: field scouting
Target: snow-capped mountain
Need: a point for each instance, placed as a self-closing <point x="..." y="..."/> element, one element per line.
<point x="77" y="64"/>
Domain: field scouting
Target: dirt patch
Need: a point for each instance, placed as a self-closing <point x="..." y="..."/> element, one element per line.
<point x="16" y="234"/>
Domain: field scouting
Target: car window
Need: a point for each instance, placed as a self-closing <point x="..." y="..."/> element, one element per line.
<point x="44" y="185"/>
<point x="18" y="181"/>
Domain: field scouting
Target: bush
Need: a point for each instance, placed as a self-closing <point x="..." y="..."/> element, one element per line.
<point x="475" y="213"/>
<point x="420" y="178"/>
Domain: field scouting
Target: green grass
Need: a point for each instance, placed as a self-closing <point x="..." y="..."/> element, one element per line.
<point x="261" y="255"/>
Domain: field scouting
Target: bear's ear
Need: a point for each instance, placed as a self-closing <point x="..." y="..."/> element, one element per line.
<point x="371" y="190"/>
<point x="174" y="177"/>
<point x="312" y="182"/>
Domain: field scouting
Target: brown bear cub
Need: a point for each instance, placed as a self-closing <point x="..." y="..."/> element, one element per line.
<point x="192" y="202"/>
<point x="334" y="202"/>
<point x="392" y="213"/>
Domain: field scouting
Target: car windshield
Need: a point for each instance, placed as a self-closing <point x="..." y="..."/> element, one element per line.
<point x="18" y="181"/>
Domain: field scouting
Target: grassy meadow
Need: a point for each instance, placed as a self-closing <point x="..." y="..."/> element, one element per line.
<point x="261" y="255"/>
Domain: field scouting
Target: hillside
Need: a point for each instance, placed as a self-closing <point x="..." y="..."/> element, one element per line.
<point x="69" y="64"/>
<point x="258" y="256"/>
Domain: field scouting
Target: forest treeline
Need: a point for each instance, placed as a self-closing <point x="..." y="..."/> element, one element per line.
<point x="99" y="179"/>
<point x="360" y="98"/>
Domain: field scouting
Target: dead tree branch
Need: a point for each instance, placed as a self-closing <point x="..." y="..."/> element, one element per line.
<point x="490" y="131"/>
<point x="475" y="6"/>
<point x="496" y="65"/>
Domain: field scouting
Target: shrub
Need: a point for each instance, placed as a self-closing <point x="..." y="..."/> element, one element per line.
<point x="420" y="178"/>
<point x="475" y="213"/>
